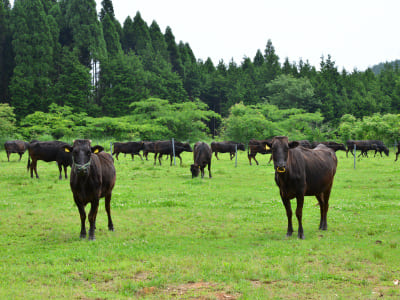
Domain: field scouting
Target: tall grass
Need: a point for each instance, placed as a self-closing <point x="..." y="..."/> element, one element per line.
<point x="219" y="238"/>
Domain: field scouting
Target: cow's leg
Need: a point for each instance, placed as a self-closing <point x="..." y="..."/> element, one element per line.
<point x="8" y="155"/>
<point x="321" y="202"/>
<point x="92" y="218"/>
<point x="209" y="170"/>
<point x="270" y="159"/>
<point x="82" y="214"/>
<point x="34" y="165"/>
<point x="159" y="158"/>
<point x="155" y="158"/>
<point x="397" y="154"/>
<point x="65" y="171"/>
<point x="216" y="155"/>
<point x="286" y="203"/>
<point x="20" y="156"/>
<point x="140" y="156"/>
<point x="60" y="169"/>
<point x="326" y="196"/>
<point x="180" y="159"/>
<point x="133" y="156"/>
<point x="108" y="210"/>
<point x="202" y="171"/>
<point x="255" y="160"/>
<point x="232" y="155"/>
<point x="249" y="157"/>
<point x="116" y="155"/>
<point x="299" y="215"/>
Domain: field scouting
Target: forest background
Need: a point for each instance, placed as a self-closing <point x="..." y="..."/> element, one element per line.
<point x="67" y="71"/>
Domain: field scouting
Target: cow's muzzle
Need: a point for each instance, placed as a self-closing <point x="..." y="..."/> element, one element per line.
<point x="81" y="168"/>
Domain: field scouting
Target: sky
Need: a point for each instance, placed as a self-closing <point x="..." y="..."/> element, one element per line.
<point x="357" y="34"/>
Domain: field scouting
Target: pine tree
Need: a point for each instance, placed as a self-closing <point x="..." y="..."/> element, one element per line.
<point x="111" y="36"/>
<point x="173" y="51"/>
<point x="6" y="57"/>
<point x="127" y="35"/>
<point x="158" y="41"/>
<point x="141" y="35"/>
<point x="32" y="45"/>
<point x="86" y="30"/>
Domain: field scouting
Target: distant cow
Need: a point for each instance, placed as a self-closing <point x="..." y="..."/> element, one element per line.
<point x="148" y="147"/>
<point x="257" y="146"/>
<point x="131" y="148"/>
<point x="303" y="172"/>
<point x="92" y="177"/>
<point x="202" y="157"/>
<point x="305" y="144"/>
<point x="330" y="144"/>
<point x="15" y="146"/>
<point x="226" y="147"/>
<point x="398" y="150"/>
<point x="365" y="145"/>
<point x="165" y="148"/>
<point x="48" y="151"/>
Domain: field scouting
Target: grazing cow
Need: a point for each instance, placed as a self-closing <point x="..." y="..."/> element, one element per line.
<point x="131" y="148"/>
<point x="15" y="147"/>
<point x="148" y="147"/>
<point x="226" y="147"/>
<point x="303" y="172"/>
<point x="333" y="145"/>
<point x="48" y="151"/>
<point x="165" y="148"/>
<point x="257" y="146"/>
<point x="202" y="157"/>
<point x="365" y="145"/>
<point x="92" y="177"/>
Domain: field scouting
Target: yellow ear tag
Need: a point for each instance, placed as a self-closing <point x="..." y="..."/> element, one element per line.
<point x="66" y="150"/>
<point x="96" y="151"/>
<point x="266" y="147"/>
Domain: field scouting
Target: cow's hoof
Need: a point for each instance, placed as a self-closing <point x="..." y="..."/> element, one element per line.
<point x="92" y="238"/>
<point x="82" y="235"/>
<point x="301" y="236"/>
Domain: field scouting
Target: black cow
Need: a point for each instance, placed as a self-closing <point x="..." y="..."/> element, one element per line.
<point x="48" y="151"/>
<point x="131" y="148"/>
<point x="330" y="144"/>
<point x="226" y="147"/>
<point x="398" y="150"/>
<point x="303" y="172"/>
<point x="92" y="177"/>
<point x="305" y="144"/>
<point x="365" y="145"/>
<point x="202" y="157"/>
<point x="15" y="146"/>
<point x="165" y="148"/>
<point x="257" y="146"/>
<point x="148" y="147"/>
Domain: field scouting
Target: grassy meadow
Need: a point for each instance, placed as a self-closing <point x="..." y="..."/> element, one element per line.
<point x="219" y="238"/>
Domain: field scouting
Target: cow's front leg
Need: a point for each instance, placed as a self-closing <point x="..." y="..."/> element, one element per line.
<point x="82" y="214"/>
<point x="299" y="215"/>
<point x="286" y="203"/>
<point x="92" y="218"/>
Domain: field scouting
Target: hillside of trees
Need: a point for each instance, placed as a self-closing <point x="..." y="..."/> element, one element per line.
<point x="66" y="70"/>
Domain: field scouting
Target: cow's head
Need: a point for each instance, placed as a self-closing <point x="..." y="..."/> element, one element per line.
<point x="81" y="155"/>
<point x="195" y="169"/>
<point x="280" y="146"/>
<point x="187" y="148"/>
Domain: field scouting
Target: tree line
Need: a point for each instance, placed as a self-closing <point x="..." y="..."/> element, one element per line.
<point x="131" y="80"/>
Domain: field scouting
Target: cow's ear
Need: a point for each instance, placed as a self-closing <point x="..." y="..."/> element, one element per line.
<point x="293" y="144"/>
<point x="67" y="148"/>
<point x="97" y="149"/>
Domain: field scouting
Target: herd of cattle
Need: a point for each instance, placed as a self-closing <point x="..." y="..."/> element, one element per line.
<point x="301" y="168"/>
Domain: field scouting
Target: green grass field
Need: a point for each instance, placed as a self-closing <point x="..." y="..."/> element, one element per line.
<point x="219" y="238"/>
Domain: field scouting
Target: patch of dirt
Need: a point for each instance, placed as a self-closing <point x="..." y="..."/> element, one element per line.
<point x="192" y="290"/>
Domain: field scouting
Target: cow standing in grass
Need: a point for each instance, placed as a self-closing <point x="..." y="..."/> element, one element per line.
<point x="132" y="148"/>
<point x="303" y="172"/>
<point x="226" y="147"/>
<point x="165" y="148"/>
<point x="202" y="157"/>
<point x="15" y="146"/>
<point x="48" y="151"/>
<point x="92" y="177"/>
